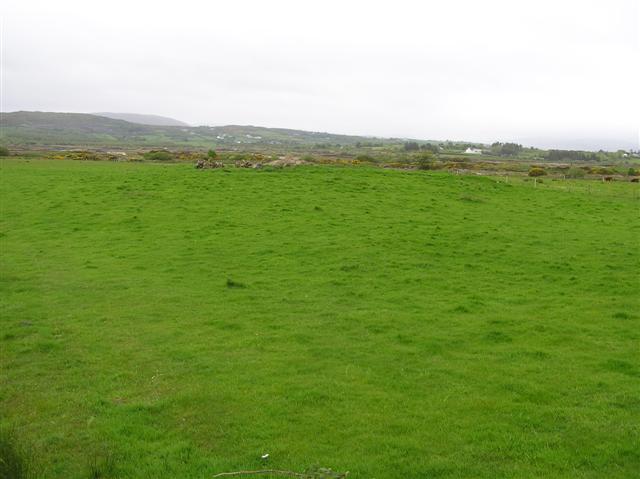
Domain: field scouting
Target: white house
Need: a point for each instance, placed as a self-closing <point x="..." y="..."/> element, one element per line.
<point x="473" y="151"/>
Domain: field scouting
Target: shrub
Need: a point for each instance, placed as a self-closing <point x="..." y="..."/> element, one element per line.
<point x="427" y="165"/>
<point x="575" y="172"/>
<point x="4" y="151"/>
<point x="537" y="171"/>
<point x="239" y="157"/>
<point x="602" y="170"/>
<point x="632" y="172"/>
<point x="505" y="149"/>
<point x="158" y="155"/>
<point x="211" y="154"/>
<point x="566" y="156"/>
<point x="430" y="147"/>
<point x="84" y="156"/>
<point x="426" y="161"/>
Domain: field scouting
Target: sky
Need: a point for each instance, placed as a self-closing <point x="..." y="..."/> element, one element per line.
<point x="544" y="73"/>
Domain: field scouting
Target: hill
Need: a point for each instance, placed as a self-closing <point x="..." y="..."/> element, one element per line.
<point x="155" y="120"/>
<point x="26" y="128"/>
<point x="47" y="129"/>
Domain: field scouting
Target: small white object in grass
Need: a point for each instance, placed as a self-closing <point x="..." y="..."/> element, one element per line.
<point x="265" y="457"/>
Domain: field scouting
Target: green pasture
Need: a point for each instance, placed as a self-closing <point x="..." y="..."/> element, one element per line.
<point x="159" y="321"/>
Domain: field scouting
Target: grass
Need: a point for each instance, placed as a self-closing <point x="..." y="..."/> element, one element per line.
<point x="16" y="461"/>
<point x="163" y="322"/>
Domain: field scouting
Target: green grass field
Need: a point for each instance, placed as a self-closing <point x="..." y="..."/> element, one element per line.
<point x="164" y="322"/>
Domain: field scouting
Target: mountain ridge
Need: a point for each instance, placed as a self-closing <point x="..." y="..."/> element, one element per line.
<point x="37" y="128"/>
<point x="143" y="119"/>
<point x="25" y="128"/>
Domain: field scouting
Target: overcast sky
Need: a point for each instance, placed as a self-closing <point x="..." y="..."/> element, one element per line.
<point x="533" y="71"/>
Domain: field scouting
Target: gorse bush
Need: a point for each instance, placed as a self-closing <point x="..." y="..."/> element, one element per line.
<point x="602" y="170"/>
<point x="536" y="171"/>
<point x="158" y="155"/>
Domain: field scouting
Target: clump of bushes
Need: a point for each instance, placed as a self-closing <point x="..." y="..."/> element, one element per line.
<point x="4" y="151"/>
<point x="188" y="156"/>
<point x="632" y="172"/>
<point x="158" y="155"/>
<point x="426" y="161"/>
<point x="537" y="171"/>
<point x="395" y="164"/>
<point x="84" y="156"/>
<point x="456" y="164"/>
<point x="575" y="172"/>
<point x="602" y="170"/>
<point x="239" y="157"/>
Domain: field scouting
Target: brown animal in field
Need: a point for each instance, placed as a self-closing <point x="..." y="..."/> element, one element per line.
<point x="635" y="180"/>
<point x="607" y="178"/>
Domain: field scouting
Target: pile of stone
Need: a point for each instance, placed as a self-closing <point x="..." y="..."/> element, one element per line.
<point x="206" y="164"/>
<point x="247" y="164"/>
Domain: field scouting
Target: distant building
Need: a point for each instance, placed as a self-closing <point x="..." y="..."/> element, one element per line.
<point x="473" y="151"/>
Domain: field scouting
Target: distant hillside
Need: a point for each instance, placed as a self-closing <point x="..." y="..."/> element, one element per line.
<point x="68" y="122"/>
<point x="46" y="129"/>
<point x="154" y="120"/>
<point x="30" y="128"/>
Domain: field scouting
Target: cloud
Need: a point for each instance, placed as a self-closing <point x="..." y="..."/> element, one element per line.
<point x="456" y="69"/>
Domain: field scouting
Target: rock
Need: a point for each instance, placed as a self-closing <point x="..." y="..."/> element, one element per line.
<point x="205" y="164"/>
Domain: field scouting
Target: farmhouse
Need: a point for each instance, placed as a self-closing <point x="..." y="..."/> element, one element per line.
<point x="473" y="151"/>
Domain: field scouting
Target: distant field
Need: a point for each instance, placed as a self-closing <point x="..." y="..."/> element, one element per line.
<point x="164" y="322"/>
